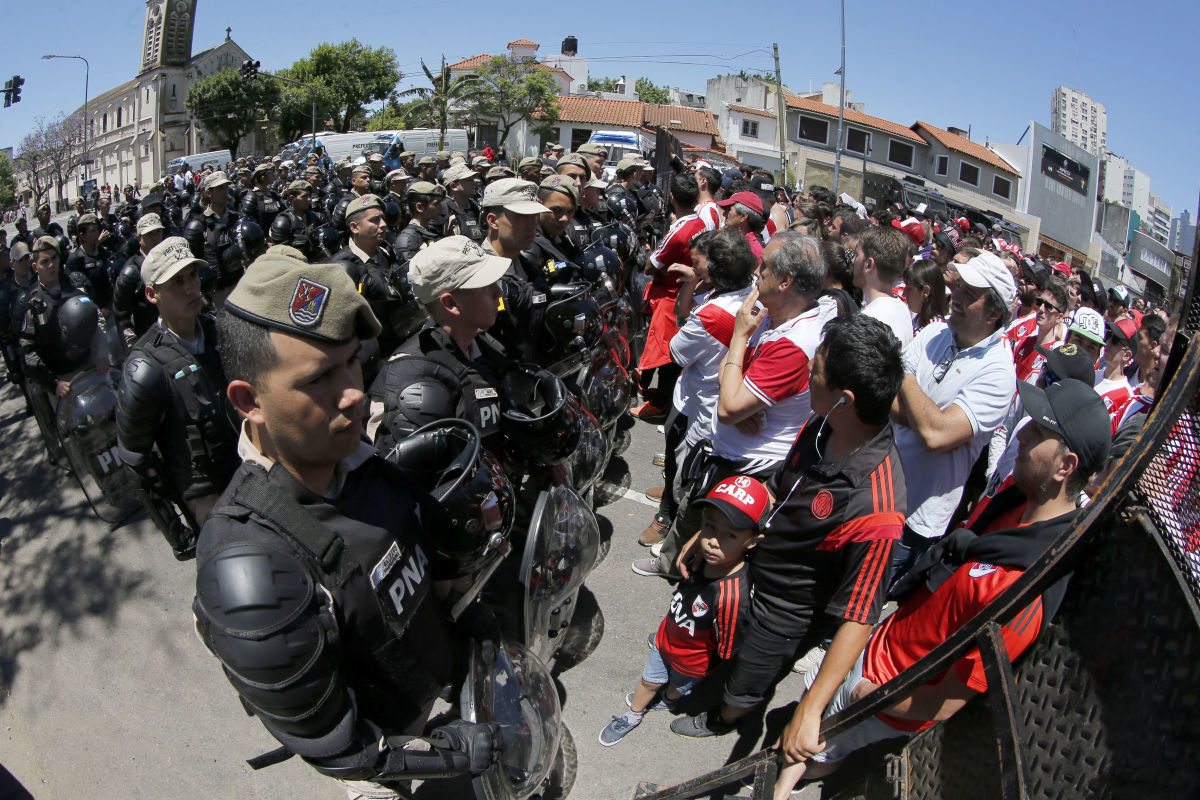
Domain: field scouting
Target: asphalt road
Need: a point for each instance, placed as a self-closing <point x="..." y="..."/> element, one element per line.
<point x="107" y="692"/>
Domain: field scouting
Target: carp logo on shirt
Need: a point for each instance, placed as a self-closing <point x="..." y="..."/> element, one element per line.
<point x="822" y="504"/>
<point x="978" y="570"/>
<point x="308" y="303"/>
<point x="699" y="608"/>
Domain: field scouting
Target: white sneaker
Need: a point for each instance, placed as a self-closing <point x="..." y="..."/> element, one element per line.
<point x="810" y="661"/>
<point x="656" y="549"/>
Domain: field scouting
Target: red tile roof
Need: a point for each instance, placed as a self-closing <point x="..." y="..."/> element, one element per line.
<point x="961" y="144"/>
<point x="691" y="120"/>
<point x="471" y="63"/>
<point x="523" y="43"/>
<point x="624" y="113"/>
<point x="758" y="112"/>
<point x="857" y="117"/>
<point x="559" y="71"/>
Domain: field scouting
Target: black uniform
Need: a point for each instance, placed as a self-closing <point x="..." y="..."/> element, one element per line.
<point x="35" y="323"/>
<point x="95" y="267"/>
<point x="53" y="229"/>
<point x="383" y="282"/>
<point x="210" y="236"/>
<point x="322" y="611"/>
<point x="430" y="378"/>
<point x="463" y="221"/>
<point x="135" y="314"/>
<point x="261" y="205"/>
<point x="413" y="238"/>
<point x="292" y="229"/>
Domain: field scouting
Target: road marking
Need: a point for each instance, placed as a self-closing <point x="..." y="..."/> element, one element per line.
<point x="629" y="494"/>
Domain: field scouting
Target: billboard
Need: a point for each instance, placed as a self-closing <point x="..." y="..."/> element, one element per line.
<point x="1066" y="171"/>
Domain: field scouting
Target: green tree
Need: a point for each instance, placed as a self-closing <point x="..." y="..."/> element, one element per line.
<point x="228" y="106"/>
<point x="444" y="101"/>
<point x="392" y="116"/>
<point x="514" y="90"/>
<point x="648" y="92"/>
<point x="347" y="77"/>
<point x="602" y="84"/>
<point x="8" y="183"/>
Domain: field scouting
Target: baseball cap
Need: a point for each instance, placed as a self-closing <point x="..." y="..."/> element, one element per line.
<point x="628" y="162"/>
<point x="374" y="157"/>
<point x="1074" y="411"/>
<point x="168" y="258"/>
<point x="316" y="301"/>
<point x="596" y="183"/>
<point x="749" y="199"/>
<point x="1120" y="294"/>
<point x="1061" y="268"/>
<point x="912" y="228"/>
<point x="741" y="498"/>
<point x="592" y="149"/>
<point x="513" y="194"/>
<point x="150" y="200"/>
<point x="574" y="158"/>
<point x="457" y="173"/>
<point x="1088" y="323"/>
<point x="480" y="161"/>
<point x="266" y="166"/>
<point x="987" y="271"/>
<point x="18" y="251"/>
<point x="364" y="203"/>
<point x="363" y="168"/>
<point x="557" y="147"/>
<point x="455" y="262"/>
<point x="297" y="186"/>
<point x="1123" y="330"/>
<point x="1069" y="361"/>
<point x="563" y="183"/>
<point x="443" y="155"/>
<point x="149" y="222"/>
<point x="407" y="154"/>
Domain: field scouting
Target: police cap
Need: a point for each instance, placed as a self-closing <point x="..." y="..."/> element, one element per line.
<point x="360" y="204"/>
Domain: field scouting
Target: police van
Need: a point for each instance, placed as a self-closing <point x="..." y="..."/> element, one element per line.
<point x="422" y="141"/>
<point x="336" y="146"/>
<point x="197" y="161"/>
<point x="619" y="145"/>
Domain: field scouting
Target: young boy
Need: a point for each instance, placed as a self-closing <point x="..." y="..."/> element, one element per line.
<point x="707" y="608"/>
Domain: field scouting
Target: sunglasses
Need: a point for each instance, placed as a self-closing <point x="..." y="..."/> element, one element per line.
<point x="1047" y="304"/>
<point x="942" y="367"/>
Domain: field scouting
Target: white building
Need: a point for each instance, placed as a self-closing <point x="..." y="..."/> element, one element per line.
<point x="1080" y="119"/>
<point x="1160" y="219"/>
<point x="1183" y="233"/>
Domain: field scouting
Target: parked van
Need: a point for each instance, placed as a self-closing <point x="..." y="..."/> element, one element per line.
<point x="620" y="144"/>
<point x="217" y="158"/>
<point x="422" y="141"/>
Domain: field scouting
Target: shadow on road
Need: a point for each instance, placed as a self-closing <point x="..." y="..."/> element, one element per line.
<point x="57" y="559"/>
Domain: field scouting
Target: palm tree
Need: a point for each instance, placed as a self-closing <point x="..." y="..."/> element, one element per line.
<point x="441" y="98"/>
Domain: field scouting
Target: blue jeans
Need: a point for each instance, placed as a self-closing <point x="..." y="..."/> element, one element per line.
<point x="658" y="671"/>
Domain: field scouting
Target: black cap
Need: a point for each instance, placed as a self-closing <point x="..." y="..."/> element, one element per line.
<point x="1069" y="361"/>
<point x="1074" y="411"/>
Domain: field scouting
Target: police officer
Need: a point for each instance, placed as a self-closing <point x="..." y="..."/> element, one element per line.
<point x="108" y="220"/>
<point x="344" y="648"/>
<point x="427" y="169"/>
<point x="408" y="161"/>
<point x="395" y="208"/>
<point x="318" y="194"/>
<point x="375" y="162"/>
<point x="55" y="349"/>
<point x="360" y="186"/>
<point x="380" y="278"/>
<point x="424" y="205"/>
<point x="211" y="232"/>
<point x="23" y="233"/>
<point x="293" y="224"/>
<point x="530" y="169"/>
<point x="73" y="221"/>
<point x="552" y="249"/>
<point x="595" y="155"/>
<point x="460" y="208"/>
<point x="592" y="212"/>
<point x="135" y="313"/>
<point x="130" y="208"/>
<point x="91" y="259"/>
<point x="452" y="367"/>
<point x="240" y="188"/>
<point x="172" y="396"/>
<point x="19" y="279"/>
<point x="261" y="204"/>
<point x="45" y="226"/>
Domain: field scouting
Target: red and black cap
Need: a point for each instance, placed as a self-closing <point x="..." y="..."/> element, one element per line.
<point x="744" y="500"/>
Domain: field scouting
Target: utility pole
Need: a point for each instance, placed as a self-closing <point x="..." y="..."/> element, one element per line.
<point x="781" y="122"/>
<point x="837" y="159"/>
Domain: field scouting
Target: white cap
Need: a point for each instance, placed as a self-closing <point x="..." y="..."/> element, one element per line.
<point x="513" y="194"/>
<point x="168" y="258"/>
<point x="987" y="271"/>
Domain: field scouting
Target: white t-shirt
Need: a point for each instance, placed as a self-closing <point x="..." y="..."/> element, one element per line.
<point x="893" y="312"/>
<point x="699" y="347"/>
<point x="776" y="372"/>
<point x="981" y="381"/>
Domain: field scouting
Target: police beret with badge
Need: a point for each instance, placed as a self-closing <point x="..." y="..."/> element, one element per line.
<point x="374" y="157"/>
<point x="147" y="223"/>
<point x="513" y="194"/>
<point x="563" y="183"/>
<point x="592" y="149"/>
<point x="362" y="204"/>
<point x="168" y="258"/>
<point x="396" y="175"/>
<point x="576" y="159"/>
<point x="361" y="168"/>
<point x="426" y="189"/>
<point x="529" y="161"/>
<point x="45" y="243"/>
<point x="455" y="262"/>
<point x="500" y="171"/>
<point x="295" y="187"/>
<point x="457" y="173"/>
<point x="87" y="219"/>
<point x="315" y="301"/>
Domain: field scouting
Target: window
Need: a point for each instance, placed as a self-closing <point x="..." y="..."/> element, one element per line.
<point x="900" y="153"/>
<point x="1002" y="187"/>
<point x="750" y="128"/>
<point x="814" y="130"/>
<point x="579" y="136"/>
<point x="858" y="141"/>
<point x="104" y="123"/>
<point x="941" y="165"/>
<point x="118" y="117"/>
<point x="968" y="173"/>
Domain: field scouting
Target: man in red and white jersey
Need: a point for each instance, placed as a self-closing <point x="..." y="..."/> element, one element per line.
<point x="708" y="180"/>
<point x="744" y="213"/>
<point x="1114" y="388"/>
<point x="1051" y="304"/>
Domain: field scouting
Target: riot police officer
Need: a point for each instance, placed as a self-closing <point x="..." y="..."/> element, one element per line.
<point x="73" y="221"/>
<point x="408" y="162"/>
<point x="134" y="312"/>
<point x="452" y="367"/>
<point x="130" y="208"/>
<point x="293" y="225"/>
<point x="460" y="208"/>
<point x="326" y="536"/>
<point x="360" y="186"/>
<point x="379" y="277"/>
<point x="552" y="249"/>
<point x="530" y="169"/>
<point x="427" y="167"/>
<point x="45" y="226"/>
<point x="375" y="162"/>
<point x="595" y="155"/>
<point x="172" y="396"/>
<point x="19" y="279"/>
<point x="424" y="205"/>
<point x="240" y="188"/>
<point x="91" y="259"/>
<point x="211" y="232"/>
<point x="260" y="203"/>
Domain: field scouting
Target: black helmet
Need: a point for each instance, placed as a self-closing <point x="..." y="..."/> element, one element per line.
<point x="605" y="387"/>
<point x="281" y="229"/>
<point x="64" y="248"/>
<point x="323" y="241"/>
<point x="445" y="458"/>
<point x="250" y="239"/>
<point x="573" y="323"/>
<point x="623" y="207"/>
<point x="77" y="320"/>
<point x="601" y="260"/>
<point x="618" y="237"/>
<point x="540" y="425"/>
<point x="391" y="211"/>
<point x="338" y="215"/>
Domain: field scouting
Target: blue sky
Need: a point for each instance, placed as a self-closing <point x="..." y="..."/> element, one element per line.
<point x="990" y="66"/>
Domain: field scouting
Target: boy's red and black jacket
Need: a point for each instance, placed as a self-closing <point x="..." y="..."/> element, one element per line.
<point x="704" y="623"/>
<point x="828" y="548"/>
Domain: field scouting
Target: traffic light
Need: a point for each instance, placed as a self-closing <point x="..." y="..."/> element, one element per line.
<point x="7" y="94"/>
<point x="250" y="69"/>
<point x="17" y="83"/>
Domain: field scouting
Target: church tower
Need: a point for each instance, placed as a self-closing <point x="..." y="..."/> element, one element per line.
<point x="167" y="41"/>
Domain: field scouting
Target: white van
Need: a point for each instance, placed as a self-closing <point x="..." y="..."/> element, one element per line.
<point x="217" y="158"/>
<point x="620" y="144"/>
<point x="422" y="141"/>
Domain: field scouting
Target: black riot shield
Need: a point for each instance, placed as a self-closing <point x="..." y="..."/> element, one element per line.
<point x="87" y="426"/>
<point x="561" y="548"/>
<point x="508" y="685"/>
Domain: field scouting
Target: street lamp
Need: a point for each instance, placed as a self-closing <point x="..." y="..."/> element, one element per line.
<point x="87" y="69"/>
<point x="837" y="159"/>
